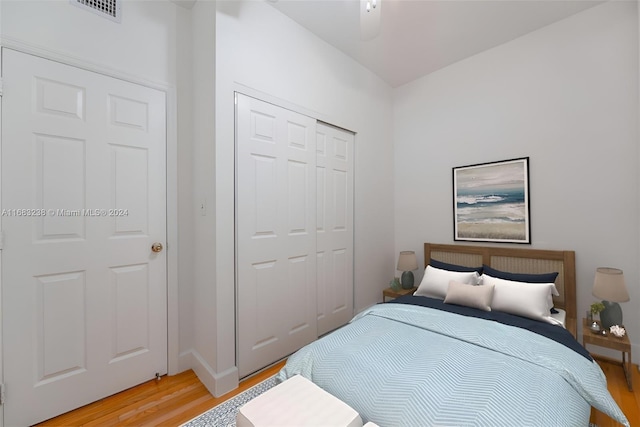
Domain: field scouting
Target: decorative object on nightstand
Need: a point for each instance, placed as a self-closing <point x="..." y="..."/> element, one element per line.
<point x="406" y="263"/>
<point x="395" y="284"/>
<point x="609" y="285"/>
<point x="617" y="331"/>
<point x="595" y="309"/>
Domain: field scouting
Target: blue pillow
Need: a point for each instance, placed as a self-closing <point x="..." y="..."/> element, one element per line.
<point x="453" y="267"/>
<point x="521" y="277"/>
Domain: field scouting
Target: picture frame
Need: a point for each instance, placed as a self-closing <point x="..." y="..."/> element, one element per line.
<point x="491" y="202"/>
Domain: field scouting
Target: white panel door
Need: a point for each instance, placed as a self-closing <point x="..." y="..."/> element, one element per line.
<point x="335" y="169"/>
<point x="83" y="199"/>
<point x="276" y="239"/>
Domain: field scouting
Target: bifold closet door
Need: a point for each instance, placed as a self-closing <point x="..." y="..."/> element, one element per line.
<point x="334" y="219"/>
<point x="275" y="232"/>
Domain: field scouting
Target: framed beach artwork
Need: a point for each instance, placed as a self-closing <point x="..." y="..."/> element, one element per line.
<point x="491" y="202"/>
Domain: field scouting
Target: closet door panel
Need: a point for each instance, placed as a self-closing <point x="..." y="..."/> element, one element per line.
<point x="334" y="226"/>
<point x="275" y="232"/>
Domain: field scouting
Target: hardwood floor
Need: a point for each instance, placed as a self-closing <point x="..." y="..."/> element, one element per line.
<point x="170" y="401"/>
<point x="629" y="401"/>
<point x="174" y="400"/>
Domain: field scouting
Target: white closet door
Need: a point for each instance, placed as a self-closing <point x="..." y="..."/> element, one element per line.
<point x="276" y="238"/>
<point x="334" y="218"/>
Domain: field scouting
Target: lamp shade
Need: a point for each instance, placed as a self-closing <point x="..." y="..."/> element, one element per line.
<point x="609" y="285"/>
<point x="407" y="261"/>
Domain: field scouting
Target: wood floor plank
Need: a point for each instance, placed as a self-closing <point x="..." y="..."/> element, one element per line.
<point x="170" y="401"/>
<point x="126" y="399"/>
<point x="153" y="415"/>
<point x="629" y="401"/>
<point x="154" y="403"/>
<point x="177" y="399"/>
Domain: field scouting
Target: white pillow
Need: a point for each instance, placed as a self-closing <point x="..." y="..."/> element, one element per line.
<point x="470" y="296"/>
<point x="436" y="281"/>
<point x="554" y="290"/>
<point x="523" y="299"/>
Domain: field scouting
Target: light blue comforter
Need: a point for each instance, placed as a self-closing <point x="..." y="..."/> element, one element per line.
<point x="402" y="365"/>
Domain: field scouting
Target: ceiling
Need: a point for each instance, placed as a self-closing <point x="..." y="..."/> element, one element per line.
<point x="417" y="37"/>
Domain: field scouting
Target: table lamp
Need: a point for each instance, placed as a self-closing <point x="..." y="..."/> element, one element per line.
<point x="609" y="285"/>
<point x="407" y="262"/>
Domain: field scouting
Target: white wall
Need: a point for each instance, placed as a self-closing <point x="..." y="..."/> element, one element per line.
<point x="147" y="27"/>
<point x="260" y="51"/>
<point x="567" y="97"/>
<point x="185" y="82"/>
<point x="204" y="226"/>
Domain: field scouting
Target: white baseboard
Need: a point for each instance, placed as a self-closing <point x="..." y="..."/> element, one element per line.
<point x="217" y="383"/>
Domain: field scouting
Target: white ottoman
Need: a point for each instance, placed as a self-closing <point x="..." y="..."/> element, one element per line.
<point x="297" y="402"/>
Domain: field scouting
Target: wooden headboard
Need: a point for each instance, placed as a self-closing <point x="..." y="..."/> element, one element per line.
<point x="519" y="260"/>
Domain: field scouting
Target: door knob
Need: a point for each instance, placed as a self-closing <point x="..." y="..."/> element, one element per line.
<point x="157" y="247"/>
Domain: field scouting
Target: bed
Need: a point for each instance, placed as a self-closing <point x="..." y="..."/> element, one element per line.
<point x="421" y="361"/>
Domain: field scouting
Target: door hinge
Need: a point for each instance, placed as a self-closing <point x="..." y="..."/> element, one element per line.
<point x="2" y="391"/>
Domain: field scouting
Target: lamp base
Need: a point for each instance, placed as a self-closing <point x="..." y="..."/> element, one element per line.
<point x="611" y="315"/>
<point x="407" y="280"/>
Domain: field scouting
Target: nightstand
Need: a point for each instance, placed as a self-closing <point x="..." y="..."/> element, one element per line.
<point x="610" y="341"/>
<point x="390" y="293"/>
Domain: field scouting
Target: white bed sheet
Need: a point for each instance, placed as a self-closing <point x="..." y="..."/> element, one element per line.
<point x="560" y="316"/>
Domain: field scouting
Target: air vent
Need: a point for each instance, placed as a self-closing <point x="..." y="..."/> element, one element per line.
<point x="110" y="9"/>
